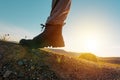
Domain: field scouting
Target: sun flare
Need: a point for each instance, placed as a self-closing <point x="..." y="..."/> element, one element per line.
<point x="91" y="45"/>
<point x="88" y="43"/>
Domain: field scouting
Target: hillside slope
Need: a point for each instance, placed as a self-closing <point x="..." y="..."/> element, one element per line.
<point x="19" y="63"/>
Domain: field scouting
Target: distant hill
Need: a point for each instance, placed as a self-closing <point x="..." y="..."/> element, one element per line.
<point x="58" y="51"/>
<point x="114" y="60"/>
<point x="21" y="63"/>
<point x="62" y="51"/>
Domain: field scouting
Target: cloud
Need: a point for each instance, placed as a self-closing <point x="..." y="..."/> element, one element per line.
<point x="15" y="32"/>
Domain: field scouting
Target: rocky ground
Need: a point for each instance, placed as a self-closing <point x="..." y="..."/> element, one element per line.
<point x="20" y="63"/>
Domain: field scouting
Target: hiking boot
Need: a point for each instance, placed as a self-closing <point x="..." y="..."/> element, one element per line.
<point x="51" y="36"/>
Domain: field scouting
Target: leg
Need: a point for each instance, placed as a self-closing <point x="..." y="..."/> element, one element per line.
<point x="58" y="12"/>
<point x="52" y="35"/>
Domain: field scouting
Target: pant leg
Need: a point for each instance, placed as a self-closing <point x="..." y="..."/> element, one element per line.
<point x="59" y="12"/>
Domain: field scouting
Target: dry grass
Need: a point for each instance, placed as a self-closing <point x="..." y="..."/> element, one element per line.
<point x="64" y="67"/>
<point x="4" y="37"/>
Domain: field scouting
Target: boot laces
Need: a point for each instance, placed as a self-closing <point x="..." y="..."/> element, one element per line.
<point x="43" y="27"/>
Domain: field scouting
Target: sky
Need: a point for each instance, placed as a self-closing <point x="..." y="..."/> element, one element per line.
<point x="91" y="26"/>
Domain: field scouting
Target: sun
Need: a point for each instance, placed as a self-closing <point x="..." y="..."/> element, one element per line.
<point x="88" y="44"/>
<point x="91" y="44"/>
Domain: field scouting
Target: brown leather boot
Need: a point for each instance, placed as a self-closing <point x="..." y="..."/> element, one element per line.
<point x="51" y="36"/>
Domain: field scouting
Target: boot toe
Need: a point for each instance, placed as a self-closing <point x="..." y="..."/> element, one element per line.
<point x="22" y="41"/>
<point x="27" y="43"/>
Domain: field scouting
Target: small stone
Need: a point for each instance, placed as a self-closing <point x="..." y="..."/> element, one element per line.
<point x="32" y="67"/>
<point x="26" y="65"/>
<point x="4" y="67"/>
<point x="15" y="73"/>
<point x="31" y="60"/>
<point x="20" y="63"/>
<point x="28" y="69"/>
<point x="7" y="73"/>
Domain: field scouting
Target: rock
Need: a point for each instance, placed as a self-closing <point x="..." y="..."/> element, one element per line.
<point x="7" y="73"/>
<point x="32" y="67"/>
<point x="20" y="63"/>
<point x="31" y="60"/>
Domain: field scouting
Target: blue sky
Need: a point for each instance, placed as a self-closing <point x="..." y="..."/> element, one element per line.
<point x="92" y="25"/>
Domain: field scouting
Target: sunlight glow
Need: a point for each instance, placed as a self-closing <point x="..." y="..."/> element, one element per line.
<point x="87" y="44"/>
<point x="91" y="45"/>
